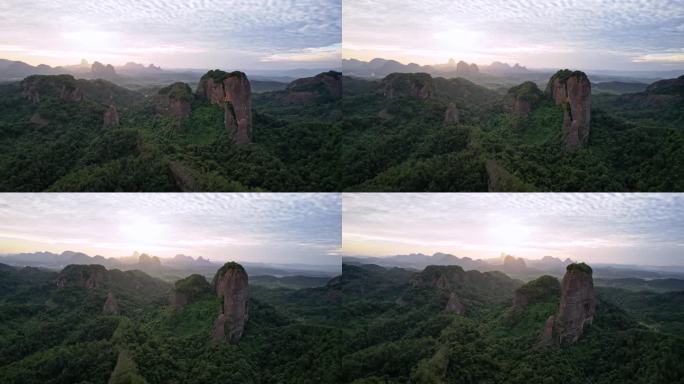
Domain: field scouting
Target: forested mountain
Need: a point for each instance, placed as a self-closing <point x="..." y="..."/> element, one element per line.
<point x="416" y="132"/>
<point x="447" y="325"/>
<point x="90" y="324"/>
<point x="59" y="133"/>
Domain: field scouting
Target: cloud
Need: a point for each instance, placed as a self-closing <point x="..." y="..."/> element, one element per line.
<point x="272" y="226"/>
<point x="128" y="28"/>
<point x="482" y="225"/>
<point x="576" y="32"/>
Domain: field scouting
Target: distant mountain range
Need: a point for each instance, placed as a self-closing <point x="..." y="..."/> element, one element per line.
<point x="516" y="266"/>
<point x="17" y="70"/>
<point x="383" y="67"/>
<point x="179" y="265"/>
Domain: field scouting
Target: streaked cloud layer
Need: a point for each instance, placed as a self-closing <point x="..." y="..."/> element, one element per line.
<point x="585" y="34"/>
<point x="610" y="228"/>
<point x="262" y="227"/>
<point x="173" y="33"/>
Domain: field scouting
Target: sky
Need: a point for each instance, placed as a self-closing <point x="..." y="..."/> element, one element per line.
<point x="643" y="229"/>
<point x="580" y="34"/>
<point x="227" y="34"/>
<point x="263" y="227"/>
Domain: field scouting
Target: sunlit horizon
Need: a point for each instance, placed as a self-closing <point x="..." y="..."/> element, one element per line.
<point x="174" y="34"/>
<point x="270" y="228"/>
<point x="587" y="35"/>
<point x="642" y="229"/>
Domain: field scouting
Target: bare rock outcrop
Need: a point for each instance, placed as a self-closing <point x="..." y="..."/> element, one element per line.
<point x="451" y="115"/>
<point x="416" y="85"/>
<point x="111" y="305"/>
<point x="111" y="117"/>
<point x="547" y="332"/>
<point x="231" y="284"/>
<point x="233" y="92"/>
<point x="71" y="93"/>
<point x="39" y="121"/>
<point x="455" y="305"/>
<point x="577" y="304"/>
<point x="103" y="71"/>
<point x="572" y="91"/>
<point x="175" y="100"/>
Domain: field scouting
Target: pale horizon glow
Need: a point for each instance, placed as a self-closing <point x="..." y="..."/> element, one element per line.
<point x="581" y="34"/>
<point x="228" y="34"/>
<point x="260" y="227"/>
<point x="643" y="229"/>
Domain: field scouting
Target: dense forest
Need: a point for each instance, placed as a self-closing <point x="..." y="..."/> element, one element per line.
<point x="404" y="326"/>
<point x="413" y="132"/>
<point x="58" y="328"/>
<point x="370" y="325"/>
<point x="58" y="133"/>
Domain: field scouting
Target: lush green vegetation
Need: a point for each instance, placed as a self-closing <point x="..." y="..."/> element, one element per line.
<point x="399" y="332"/>
<point x="60" y="335"/>
<point x="61" y="145"/>
<point x="402" y="143"/>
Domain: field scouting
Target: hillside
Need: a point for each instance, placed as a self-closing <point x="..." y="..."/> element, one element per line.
<point x="440" y="325"/>
<point x="59" y="133"/>
<point x="90" y="324"/>
<point x="415" y="132"/>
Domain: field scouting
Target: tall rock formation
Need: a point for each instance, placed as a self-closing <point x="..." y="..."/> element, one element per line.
<point x="451" y="114"/>
<point x="231" y="284"/>
<point x="111" y="305"/>
<point x="572" y="91"/>
<point x="417" y="85"/>
<point x="111" y="117"/>
<point x="577" y="304"/>
<point x="102" y="71"/>
<point x="233" y="92"/>
<point x="455" y="305"/>
<point x="174" y="100"/>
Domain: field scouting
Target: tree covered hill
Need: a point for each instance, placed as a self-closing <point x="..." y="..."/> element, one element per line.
<point x="65" y="327"/>
<point x="403" y="327"/>
<point x="413" y="132"/>
<point x="59" y="133"/>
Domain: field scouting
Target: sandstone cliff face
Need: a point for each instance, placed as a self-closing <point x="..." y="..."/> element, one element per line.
<point x="111" y="305"/>
<point x="111" y="117"/>
<point x="84" y="276"/>
<point x="451" y="114"/>
<point x="69" y="93"/>
<point x="572" y="90"/>
<point x="416" y="85"/>
<point x="231" y="283"/>
<point x="103" y="71"/>
<point x="455" y="305"/>
<point x="234" y="93"/>
<point x="577" y="304"/>
<point x="547" y="333"/>
<point x="174" y="100"/>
